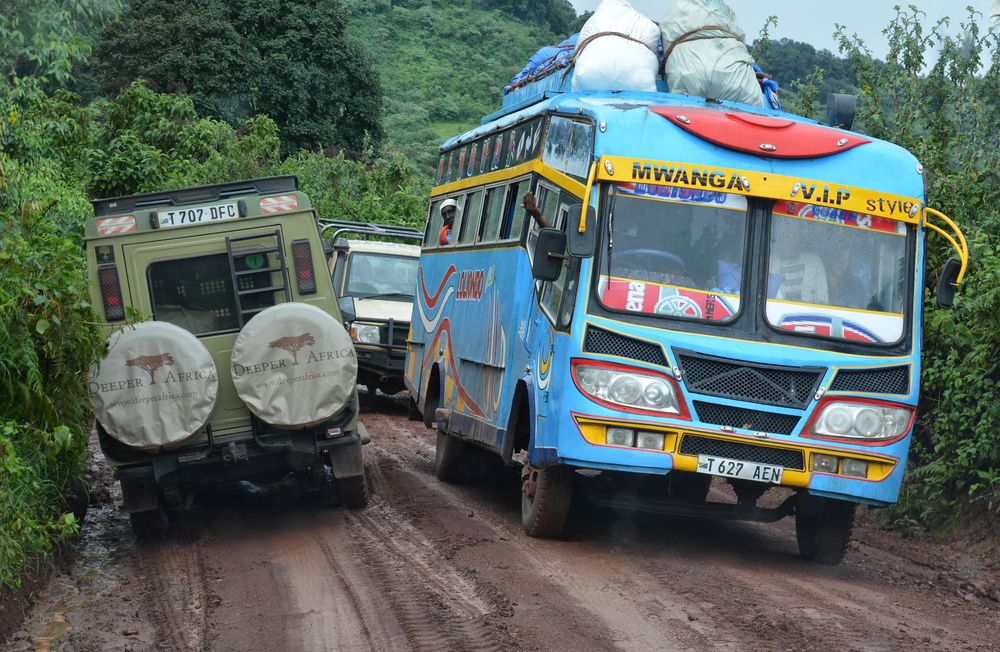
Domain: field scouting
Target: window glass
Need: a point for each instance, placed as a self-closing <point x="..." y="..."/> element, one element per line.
<point x="493" y="214"/>
<point x="515" y="213"/>
<point x="674" y="252"/>
<point x="433" y="224"/>
<point x="552" y="292"/>
<point x="381" y="275"/>
<point x="197" y="293"/>
<point x="470" y="217"/>
<point x="837" y="274"/>
<point x="547" y="199"/>
<point x="569" y="146"/>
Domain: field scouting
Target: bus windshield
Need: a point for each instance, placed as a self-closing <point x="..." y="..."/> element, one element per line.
<point x="837" y="274"/>
<point x="674" y="252"/>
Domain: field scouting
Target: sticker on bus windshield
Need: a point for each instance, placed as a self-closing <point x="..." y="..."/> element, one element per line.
<point x="840" y="217"/>
<point x="685" y="195"/>
<point x="633" y="295"/>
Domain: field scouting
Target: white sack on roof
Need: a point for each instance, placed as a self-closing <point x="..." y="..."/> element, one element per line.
<point x="711" y="63"/>
<point x="615" y="63"/>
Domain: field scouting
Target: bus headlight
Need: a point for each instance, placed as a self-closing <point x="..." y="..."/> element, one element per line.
<point x="861" y="420"/>
<point x="365" y="333"/>
<point x="619" y="387"/>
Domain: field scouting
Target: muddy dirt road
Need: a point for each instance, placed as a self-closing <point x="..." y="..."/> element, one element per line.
<point x="431" y="566"/>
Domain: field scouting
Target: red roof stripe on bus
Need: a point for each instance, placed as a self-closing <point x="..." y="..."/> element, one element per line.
<point x="759" y="134"/>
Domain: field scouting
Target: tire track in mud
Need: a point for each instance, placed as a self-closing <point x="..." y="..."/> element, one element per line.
<point x="436" y="606"/>
<point x="178" y="600"/>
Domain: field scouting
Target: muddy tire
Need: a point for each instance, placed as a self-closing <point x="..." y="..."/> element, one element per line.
<point x="546" y="494"/>
<point x="151" y="524"/>
<point x="353" y="492"/>
<point x="449" y="458"/>
<point x="823" y="534"/>
<point x="413" y="412"/>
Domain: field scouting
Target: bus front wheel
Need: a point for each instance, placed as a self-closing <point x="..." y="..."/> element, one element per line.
<point x="823" y="529"/>
<point x="546" y="494"/>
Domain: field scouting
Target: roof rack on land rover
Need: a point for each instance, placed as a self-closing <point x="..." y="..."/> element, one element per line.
<point x="214" y="192"/>
<point x="340" y="227"/>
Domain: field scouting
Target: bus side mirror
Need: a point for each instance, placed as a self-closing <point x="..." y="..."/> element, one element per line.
<point x="549" y="254"/>
<point x="347" y="310"/>
<point x="581" y="245"/>
<point x="946" y="284"/>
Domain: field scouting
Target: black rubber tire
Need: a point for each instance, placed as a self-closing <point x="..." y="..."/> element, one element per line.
<point x="413" y="412"/>
<point x="449" y="458"/>
<point x="545" y="510"/>
<point x="823" y="535"/>
<point x="353" y="492"/>
<point x="151" y="524"/>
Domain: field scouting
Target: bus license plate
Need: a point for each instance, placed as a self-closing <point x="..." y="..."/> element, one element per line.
<point x="197" y="215"/>
<point x="739" y="469"/>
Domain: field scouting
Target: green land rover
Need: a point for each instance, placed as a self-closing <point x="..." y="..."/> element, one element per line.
<point x="245" y="370"/>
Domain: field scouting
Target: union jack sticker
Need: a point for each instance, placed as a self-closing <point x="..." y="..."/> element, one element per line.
<point x="279" y="204"/>
<point x="116" y="225"/>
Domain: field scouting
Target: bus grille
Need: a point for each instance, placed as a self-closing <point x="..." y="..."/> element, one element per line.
<point x="731" y="450"/>
<point x="736" y="417"/>
<point x="783" y="386"/>
<point x="886" y="380"/>
<point x="605" y="342"/>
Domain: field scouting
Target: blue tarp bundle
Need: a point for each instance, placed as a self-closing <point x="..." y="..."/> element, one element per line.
<point x="549" y="58"/>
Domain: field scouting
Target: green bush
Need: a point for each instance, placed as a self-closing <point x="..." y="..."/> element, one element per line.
<point x="935" y="96"/>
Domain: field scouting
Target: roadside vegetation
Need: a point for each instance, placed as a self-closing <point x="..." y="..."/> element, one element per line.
<point x="79" y="120"/>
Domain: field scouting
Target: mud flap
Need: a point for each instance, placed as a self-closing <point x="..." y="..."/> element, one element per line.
<point x="140" y="495"/>
<point x="346" y="461"/>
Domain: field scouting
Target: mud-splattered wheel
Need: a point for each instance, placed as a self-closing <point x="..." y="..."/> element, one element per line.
<point x="823" y="529"/>
<point x="151" y="524"/>
<point x="353" y="492"/>
<point x="449" y="458"/>
<point x="546" y="494"/>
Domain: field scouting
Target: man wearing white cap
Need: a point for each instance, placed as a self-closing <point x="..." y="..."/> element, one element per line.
<point x="449" y="207"/>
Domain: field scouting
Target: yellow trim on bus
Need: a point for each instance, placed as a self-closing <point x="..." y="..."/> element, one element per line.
<point x="761" y="184"/>
<point x="586" y="197"/>
<point x="563" y="180"/>
<point x="961" y="246"/>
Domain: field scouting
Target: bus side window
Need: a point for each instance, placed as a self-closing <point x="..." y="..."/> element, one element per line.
<point x="433" y="224"/>
<point x="514" y="214"/>
<point x="547" y="199"/>
<point x="470" y="217"/>
<point x="552" y="292"/>
<point x="493" y="214"/>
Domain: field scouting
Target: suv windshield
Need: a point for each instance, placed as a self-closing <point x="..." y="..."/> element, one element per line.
<point x="837" y="274"/>
<point x="674" y="252"/>
<point x="381" y="275"/>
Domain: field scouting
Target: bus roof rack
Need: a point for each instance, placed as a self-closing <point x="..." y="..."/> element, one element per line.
<point x="214" y="192"/>
<point x="368" y="230"/>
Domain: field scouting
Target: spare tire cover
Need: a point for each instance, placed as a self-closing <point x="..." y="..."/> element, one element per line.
<point x="156" y="387"/>
<point x="294" y="366"/>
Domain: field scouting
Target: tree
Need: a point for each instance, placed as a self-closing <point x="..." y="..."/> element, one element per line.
<point x="293" y="344"/>
<point x="288" y="59"/>
<point x="151" y="364"/>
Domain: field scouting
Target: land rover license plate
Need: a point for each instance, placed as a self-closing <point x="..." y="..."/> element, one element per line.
<point x="739" y="469"/>
<point x="197" y="215"/>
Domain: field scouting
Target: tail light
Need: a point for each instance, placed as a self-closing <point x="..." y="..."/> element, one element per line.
<point x="111" y="293"/>
<point x="304" y="274"/>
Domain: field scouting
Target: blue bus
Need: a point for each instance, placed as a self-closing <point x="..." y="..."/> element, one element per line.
<point x="719" y="291"/>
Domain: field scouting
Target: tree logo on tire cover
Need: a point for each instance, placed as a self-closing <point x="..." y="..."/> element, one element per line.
<point x="293" y="344"/>
<point x="151" y="364"/>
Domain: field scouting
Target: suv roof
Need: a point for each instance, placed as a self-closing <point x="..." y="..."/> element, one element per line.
<point x="147" y="212"/>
